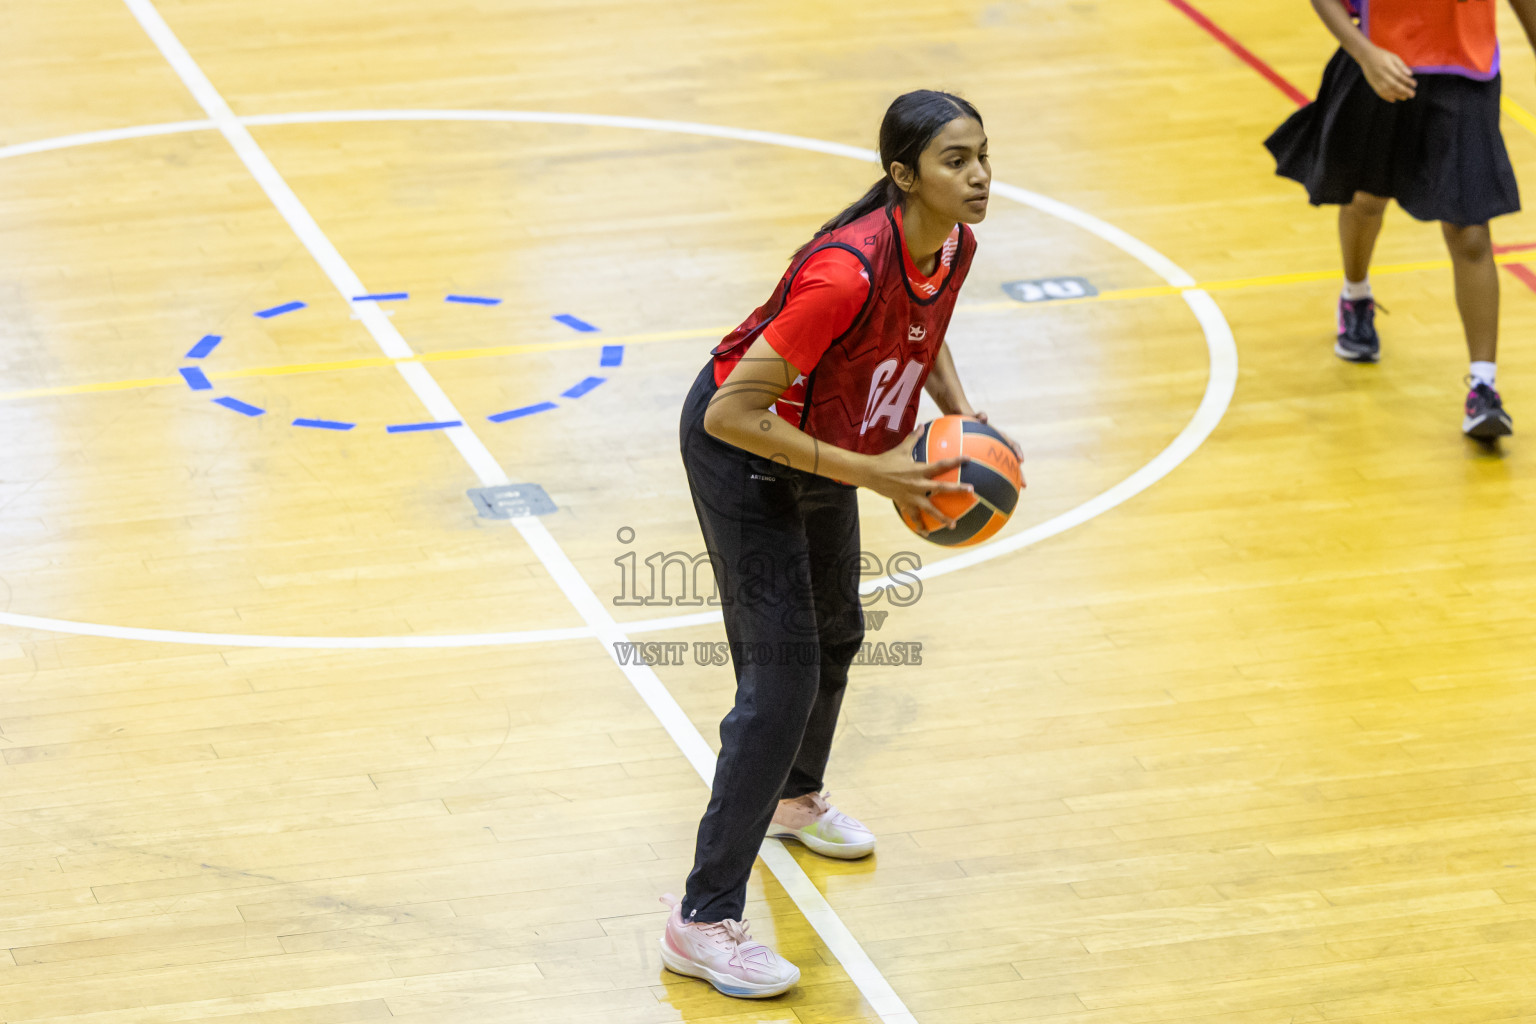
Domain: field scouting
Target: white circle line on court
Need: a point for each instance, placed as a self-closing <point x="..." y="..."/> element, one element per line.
<point x="142" y="131"/>
<point x="1220" y="384"/>
<point x="175" y="636"/>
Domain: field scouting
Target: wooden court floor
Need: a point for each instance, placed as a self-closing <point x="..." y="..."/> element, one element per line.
<point x="291" y="734"/>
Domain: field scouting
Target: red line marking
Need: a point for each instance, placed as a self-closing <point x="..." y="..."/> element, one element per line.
<point x="1499" y="250"/>
<point x="1243" y="53"/>
<point x="1524" y="273"/>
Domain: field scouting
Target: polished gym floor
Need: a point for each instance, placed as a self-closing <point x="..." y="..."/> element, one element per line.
<point x="1231" y="724"/>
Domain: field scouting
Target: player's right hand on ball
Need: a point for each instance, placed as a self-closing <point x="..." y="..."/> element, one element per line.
<point x="910" y="484"/>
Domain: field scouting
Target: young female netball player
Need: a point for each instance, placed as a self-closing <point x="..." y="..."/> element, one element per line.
<point x="1409" y="110"/>
<point x="810" y="398"/>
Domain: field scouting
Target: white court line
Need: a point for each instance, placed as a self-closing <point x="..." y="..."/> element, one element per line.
<point x="1218" y="394"/>
<point x="425" y="641"/>
<point x="142" y="131"/>
<point x="340" y="273"/>
<point x="861" y="970"/>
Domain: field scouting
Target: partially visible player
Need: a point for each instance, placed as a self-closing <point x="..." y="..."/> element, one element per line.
<point x="1409" y="110"/>
<point x="814" y="395"/>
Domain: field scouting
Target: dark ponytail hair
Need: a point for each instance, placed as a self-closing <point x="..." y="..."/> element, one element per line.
<point x="911" y="122"/>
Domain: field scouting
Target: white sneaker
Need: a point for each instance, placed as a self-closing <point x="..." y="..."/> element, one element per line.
<point x="723" y="954"/>
<point x="821" y="827"/>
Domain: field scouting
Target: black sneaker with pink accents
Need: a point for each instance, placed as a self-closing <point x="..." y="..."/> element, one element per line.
<point x="1358" y="341"/>
<point x="1485" y="416"/>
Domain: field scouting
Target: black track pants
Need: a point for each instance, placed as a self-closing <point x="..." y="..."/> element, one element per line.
<point x="784" y="546"/>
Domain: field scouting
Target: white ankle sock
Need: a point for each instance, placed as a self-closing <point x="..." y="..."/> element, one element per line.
<point x="1482" y="373"/>
<point x="1357" y="289"/>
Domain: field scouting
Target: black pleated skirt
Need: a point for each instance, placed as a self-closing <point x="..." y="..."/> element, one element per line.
<point x="1440" y="155"/>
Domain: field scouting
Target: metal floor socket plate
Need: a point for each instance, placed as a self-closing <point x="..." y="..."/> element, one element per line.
<point x="510" y="501"/>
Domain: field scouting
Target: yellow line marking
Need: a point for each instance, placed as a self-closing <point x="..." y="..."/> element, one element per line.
<point x="560" y="346"/>
<point x="1233" y="284"/>
<point x="453" y="355"/>
<point x="372" y="362"/>
<point x="90" y="389"/>
<point x="1518" y="114"/>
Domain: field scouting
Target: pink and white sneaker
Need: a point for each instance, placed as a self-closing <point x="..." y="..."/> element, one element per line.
<point x="811" y="820"/>
<point x="723" y="954"/>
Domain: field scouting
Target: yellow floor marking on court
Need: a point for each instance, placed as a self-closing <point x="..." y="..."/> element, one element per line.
<point x="1524" y="118"/>
<point x="451" y="355"/>
<point x="368" y="363"/>
<point x="89" y="389"/>
<point x="1233" y="284"/>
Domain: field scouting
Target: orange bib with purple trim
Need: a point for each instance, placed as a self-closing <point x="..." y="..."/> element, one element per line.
<point x="1435" y="37"/>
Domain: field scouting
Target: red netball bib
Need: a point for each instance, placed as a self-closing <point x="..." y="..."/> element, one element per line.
<point x="862" y="394"/>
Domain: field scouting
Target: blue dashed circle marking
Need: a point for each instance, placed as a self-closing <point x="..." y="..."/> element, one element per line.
<point x="197" y="380"/>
